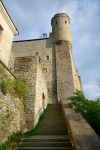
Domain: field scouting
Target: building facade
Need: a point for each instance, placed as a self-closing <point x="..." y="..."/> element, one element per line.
<point x="7" y="32"/>
<point x="56" y="58"/>
<point x="47" y="67"/>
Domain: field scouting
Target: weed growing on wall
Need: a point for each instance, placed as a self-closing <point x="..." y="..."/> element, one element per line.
<point x="6" y="119"/>
<point x="20" y="88"/>
<point x="14" y="87"/>
<point x="7" y="85"/>
<point x="1" y="104"/>
<point x="2" y="73"/>
<point x="1" y="70"/>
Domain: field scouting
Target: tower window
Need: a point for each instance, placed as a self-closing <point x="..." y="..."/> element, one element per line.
<point x="45" y="70"/>
<point x="43" y="96"/>
<point x="56" y="22"/>
<point x="1" y="30"/>
<point x="65" y="21"/>
<point x="36" y="53"/>
<point x="39" y="59"/>
<point x="47" y="57"/>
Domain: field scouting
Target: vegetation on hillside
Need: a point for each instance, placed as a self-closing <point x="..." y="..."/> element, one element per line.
<point x="88" y="108"/>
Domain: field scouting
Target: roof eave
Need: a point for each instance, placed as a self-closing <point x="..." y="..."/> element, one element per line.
<point x="8" y="19"/>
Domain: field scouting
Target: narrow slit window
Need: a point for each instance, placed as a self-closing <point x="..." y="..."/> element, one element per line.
<point x="1" y="30"/>
<point x="36" y="53"/>
<point x="47" y="57"/>
<point x="43" y="96"/>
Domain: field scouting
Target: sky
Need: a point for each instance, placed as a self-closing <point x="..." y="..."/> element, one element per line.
<point x="33" y="18"/>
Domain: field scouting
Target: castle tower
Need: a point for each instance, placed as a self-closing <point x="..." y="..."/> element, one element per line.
<point x="61" y="28"/>
<point x="62" y="46"/>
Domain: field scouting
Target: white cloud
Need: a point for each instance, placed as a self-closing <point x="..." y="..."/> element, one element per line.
<point x="92" y="90"/>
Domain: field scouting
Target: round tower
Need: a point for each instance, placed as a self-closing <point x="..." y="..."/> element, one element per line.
<point x="61" y="28"/>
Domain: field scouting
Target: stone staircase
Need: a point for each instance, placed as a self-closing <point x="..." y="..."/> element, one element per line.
<point x="52" y="133"/>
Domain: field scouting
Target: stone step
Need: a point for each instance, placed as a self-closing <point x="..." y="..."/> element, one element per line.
<point x="53" y="120"/>
<point x="50" y="128"/>
<point x="44" y="144"/>
<point x="54" y="110"/>
<point x="51" y="112"/>
<point x="44" y="148"/>
<point x="49" y="124"/>
<point x="54" y="125"/>
<point x="46" y="140"/>
<point x="54" y="116"/>
<point x="54" y="105"/>
<point x="48" y="137"/>
<point x="52" y="133"/>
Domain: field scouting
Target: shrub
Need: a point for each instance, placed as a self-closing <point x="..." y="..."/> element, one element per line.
<point x="20" y="88"/>
<point x="12" y="86"/>
<point x="1" y="104"/>
<point x="6" y="119"/>
<point x="7" y="85"/>
<point x="88" y="108"/>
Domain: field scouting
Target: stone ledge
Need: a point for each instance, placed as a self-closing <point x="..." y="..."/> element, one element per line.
<point x="83" y="135"/>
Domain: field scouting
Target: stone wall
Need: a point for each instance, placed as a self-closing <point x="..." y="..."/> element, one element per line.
<point x="18" y="114"/>
<point x="65" y="85"/>
<point x="41" y="97"/>
<point x="29" y="70"/>
<point x="12" y="117"/>
<point x="42" y="48"/>
<point x="76" y="77"/>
